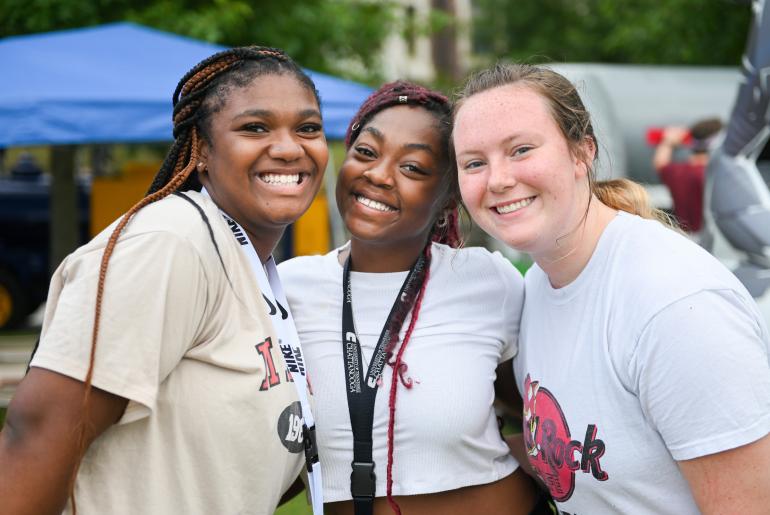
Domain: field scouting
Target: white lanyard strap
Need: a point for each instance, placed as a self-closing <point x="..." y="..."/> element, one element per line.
<point x="291" y="350"/>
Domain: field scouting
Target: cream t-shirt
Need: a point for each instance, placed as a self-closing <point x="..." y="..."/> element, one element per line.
<point x="186" y="338"/>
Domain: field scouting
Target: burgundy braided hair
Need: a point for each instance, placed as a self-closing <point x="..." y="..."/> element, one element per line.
<point x="445" y="230"/>
<point x="202" y="92"/>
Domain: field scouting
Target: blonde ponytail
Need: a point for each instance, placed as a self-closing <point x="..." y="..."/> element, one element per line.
<point x="631" y="197"/>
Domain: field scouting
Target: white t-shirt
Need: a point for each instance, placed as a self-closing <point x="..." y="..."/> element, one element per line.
<point x="205" y="430"/>
<point x="655" y="353"/>
<point x="446" y="434"/>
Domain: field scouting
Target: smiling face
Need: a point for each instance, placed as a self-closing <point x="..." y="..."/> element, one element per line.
<point x="265" y="157"/>
<point x="518" y="178"/>
<point x="391" y="185"/>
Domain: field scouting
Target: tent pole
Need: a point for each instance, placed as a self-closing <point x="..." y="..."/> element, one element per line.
<point x="63" y="234"/>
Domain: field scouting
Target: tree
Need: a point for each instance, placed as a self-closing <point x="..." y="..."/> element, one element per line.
<point x="697" y="32"/>
<point x="334" y="36"/>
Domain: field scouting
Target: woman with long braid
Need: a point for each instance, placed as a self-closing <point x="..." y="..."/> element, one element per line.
<point x="159" y="386"/>
<point x="422" y="439"/>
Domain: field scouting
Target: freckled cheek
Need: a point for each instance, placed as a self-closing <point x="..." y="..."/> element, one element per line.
<point x="472" y="192"/>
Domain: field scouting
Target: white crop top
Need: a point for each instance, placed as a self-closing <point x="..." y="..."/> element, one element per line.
<point x="446" y="434"/>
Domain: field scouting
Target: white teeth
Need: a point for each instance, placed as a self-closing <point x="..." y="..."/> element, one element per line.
<point x="379" y="206"/>
<point x="278" y="178"/>
<point x="514" y="206"/>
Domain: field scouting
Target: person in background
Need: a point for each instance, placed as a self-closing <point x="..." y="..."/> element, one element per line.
<point x="686" y="179"/>
<point x="644" y="364"/>
<point x="158" y="386"/>
<point x="423" y="438"/>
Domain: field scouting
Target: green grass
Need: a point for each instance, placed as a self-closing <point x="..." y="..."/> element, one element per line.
<point x="297" y="506"/>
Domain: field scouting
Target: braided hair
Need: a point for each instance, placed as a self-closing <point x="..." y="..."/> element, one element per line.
<point x="202" y="92"/>
<point x="445" y="230"/>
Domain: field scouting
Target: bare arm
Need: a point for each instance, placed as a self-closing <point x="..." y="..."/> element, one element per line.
<point x="733" y="481"/>
<point x="672" y="136"/>
<point x="38" y="444"/>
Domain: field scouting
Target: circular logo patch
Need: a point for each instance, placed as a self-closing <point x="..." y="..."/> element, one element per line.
<point x="290" y="428"/>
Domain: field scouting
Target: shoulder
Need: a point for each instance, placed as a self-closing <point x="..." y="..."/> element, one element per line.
<point x="170" y="226"/>
<point x="183" y="216"/>
<point x="305" y="271"/>
<point x="186" y="214"/>
<point x="651" y="267"/>
<point x="677" y="167"/>
<point x="663" y="257"/>
<point x="477" y="265"/>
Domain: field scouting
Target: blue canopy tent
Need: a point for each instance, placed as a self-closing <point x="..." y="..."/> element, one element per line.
<point x="113" y="83"/>
<point x="107" y="84"/>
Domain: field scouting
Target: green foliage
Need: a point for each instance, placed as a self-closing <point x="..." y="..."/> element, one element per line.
<point x="522" y="264"/>
<point x="697" y="32"/>
<point x="334" y="36"/>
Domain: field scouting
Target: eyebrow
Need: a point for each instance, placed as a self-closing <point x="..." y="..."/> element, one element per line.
<point x="504" y="141"/>
<point x="410" y="146"/>
<point x="375" y="132"/>
<point x="266" y="113"/>
<point x="420" y="146"/>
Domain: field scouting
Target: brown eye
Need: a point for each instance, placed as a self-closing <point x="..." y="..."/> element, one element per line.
<point x="413" y="169"/>
<point x="366" y="152"/>
<point x="254" y="127"/>
<point x="311" y="128"/>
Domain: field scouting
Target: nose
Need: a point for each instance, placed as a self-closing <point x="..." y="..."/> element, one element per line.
<point x="501" y="177"/>
<point x="379" y="175"/>
<point x="285" y="147"/>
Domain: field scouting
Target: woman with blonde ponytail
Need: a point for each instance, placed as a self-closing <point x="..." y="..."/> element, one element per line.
<point x="159" y="386"/>
<point x="643" y="362"/>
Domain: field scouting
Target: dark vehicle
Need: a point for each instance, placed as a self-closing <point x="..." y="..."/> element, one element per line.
<point x="25" y="241"/>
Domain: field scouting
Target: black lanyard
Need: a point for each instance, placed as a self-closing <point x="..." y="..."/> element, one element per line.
<point x="363" y="390"/>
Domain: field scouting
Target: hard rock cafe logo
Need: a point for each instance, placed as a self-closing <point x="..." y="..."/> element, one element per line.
<point x="550" y="448"/>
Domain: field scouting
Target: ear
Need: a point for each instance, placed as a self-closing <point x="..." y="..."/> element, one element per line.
<point x="585" y="156"/>
<point x="202" y="164"/>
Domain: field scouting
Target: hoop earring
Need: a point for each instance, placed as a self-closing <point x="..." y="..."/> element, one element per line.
<point x="442" y="222"/>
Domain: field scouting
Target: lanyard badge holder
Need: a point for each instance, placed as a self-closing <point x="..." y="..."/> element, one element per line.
<point x="362" y="390"/>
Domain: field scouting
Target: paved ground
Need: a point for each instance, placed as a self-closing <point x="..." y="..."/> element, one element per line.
<point x="14" y="354"/>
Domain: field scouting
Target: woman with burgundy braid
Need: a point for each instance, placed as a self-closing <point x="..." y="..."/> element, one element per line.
<point x="158" y="386"/>
<point x="403" y="332"/>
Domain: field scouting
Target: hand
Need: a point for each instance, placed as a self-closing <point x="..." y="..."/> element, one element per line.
<point x="674" y="135"/>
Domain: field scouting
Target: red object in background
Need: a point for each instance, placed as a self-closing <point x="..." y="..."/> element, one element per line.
<point x="655" y="136"/>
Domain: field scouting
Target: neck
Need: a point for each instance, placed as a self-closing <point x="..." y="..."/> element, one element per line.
<point x="700" y="158"/>
<point x="264" y="244"/>
<point x="263" y="238"/>
<point x="564" y="263"/>
<point x="373" y="258"/>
